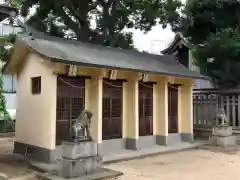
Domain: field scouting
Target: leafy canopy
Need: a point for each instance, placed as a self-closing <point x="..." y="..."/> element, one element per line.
<point x="103" y="22"/>
<point x="212" y="27"/>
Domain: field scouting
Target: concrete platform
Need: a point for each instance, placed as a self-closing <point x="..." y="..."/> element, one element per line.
<point x="125" y="155"/>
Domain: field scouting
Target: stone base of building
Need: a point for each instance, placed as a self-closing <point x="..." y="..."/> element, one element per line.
<point x="112" y="145"/>
<point x="106" y="147"/>
<point x="141" y="143"/>
<point x="187" y="137"/>
<point x="148" y="141"/>
<point x="174" y="138"/>
<point x="34" y="152"/>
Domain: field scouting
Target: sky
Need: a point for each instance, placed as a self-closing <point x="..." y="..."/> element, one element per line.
<point x="155" y="40"/>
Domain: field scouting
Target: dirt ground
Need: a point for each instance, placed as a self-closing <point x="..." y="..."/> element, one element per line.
<point x="188" y="165"/>
<point x="206" y="163"/>
<point x="12" y="167"/>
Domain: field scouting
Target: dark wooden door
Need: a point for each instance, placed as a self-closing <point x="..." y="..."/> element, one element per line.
<point x="70" y="102"/>
<point x="112" y="110"/>
<point x="145" y="109"/>
<point x="172" y="108"/>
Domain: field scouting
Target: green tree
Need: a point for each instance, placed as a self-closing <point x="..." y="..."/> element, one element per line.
<point x="212" y="27"/>
<point x="98" y="21"/>
<point x="6" y="44"/>
<point x="3" y="111"/>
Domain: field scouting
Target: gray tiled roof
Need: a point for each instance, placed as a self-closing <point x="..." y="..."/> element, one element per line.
<point x="178" y="38"/>
<point x="86" y="54"/>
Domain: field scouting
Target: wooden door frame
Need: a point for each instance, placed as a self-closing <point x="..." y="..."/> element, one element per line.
<point x="169" y="105"/>
<point x="149" y="118"/>
<point x="118" y="82"/>
<point x="81" y="80"/>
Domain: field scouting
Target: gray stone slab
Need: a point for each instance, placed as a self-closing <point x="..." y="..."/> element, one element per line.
<point x="105" y="174"/>
<point x="72" y="150"/>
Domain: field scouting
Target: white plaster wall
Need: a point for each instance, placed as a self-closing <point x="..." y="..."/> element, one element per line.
<point x="36" y="114"/>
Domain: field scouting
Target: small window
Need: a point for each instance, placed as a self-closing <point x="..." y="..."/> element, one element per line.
<point x="36" y="85"/>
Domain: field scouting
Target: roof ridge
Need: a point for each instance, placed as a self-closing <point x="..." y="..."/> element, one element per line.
<point x="42" y="36"/>
<point x="93" y="55"/>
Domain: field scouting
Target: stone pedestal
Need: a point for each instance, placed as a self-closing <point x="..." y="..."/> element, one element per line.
<point x="223" y="141"/>
<point x="222" y="131"/>
<point x="80" y="159"/>
<point x="222" y="136"/>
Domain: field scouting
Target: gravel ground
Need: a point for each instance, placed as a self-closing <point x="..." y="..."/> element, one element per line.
<point x="12" y="167"/>
<point x="203" y="164"/>
<point x="187" y="165"/>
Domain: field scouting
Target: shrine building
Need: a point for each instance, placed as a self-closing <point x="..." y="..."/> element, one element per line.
<point x="138" y="100"/>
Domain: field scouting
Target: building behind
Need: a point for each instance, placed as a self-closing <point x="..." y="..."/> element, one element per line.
<point x="9" y="81"/>
<point x="180" y="47"/>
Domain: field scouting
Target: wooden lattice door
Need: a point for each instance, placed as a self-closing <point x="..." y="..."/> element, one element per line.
<point x="145" y="109"/>
<point x="172" y="108"/>
<point x="70" y="102"/>
<point x="112" y="110"/>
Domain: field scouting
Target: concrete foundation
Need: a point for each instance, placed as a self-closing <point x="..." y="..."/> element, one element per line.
<point x="34" y="152"/>
<point x="107" y="147"/>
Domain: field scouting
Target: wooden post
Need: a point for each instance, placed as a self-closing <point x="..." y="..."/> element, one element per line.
<point x="233" y="111"/>
<point x="228" y="108"/>
<point x="221" y="101"/>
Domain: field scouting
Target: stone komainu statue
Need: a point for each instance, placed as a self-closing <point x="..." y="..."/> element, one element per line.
<point x="81" y="126"/>
<point x="221" y="118"/>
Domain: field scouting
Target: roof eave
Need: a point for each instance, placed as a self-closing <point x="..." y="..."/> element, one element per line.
<point x="17" y="44"/>
<point x="126" y="69"/>
<point x="70" y="61"/>
<point x="178" y="38"/>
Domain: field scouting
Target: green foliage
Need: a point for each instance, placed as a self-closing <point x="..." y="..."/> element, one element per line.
<point x="6" y="43"/>
<point x="101" y="21"/>
<point x="3" y="111"/>
<point x="219" y="57"/>
<point x="212" y="27"/>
